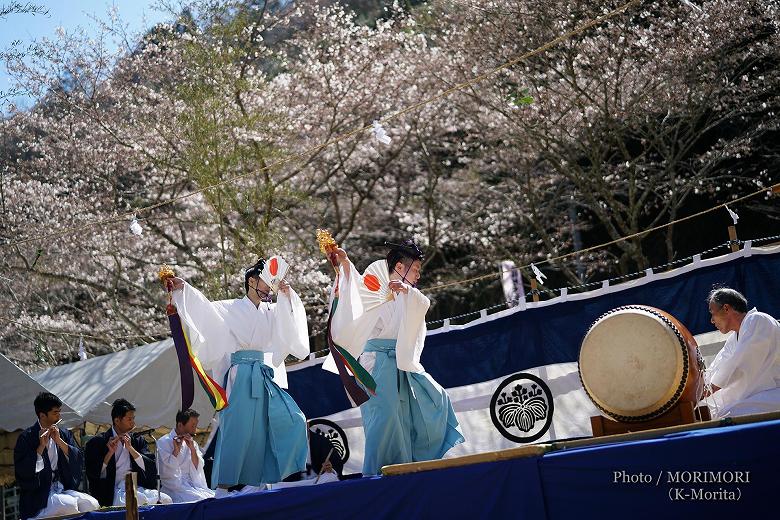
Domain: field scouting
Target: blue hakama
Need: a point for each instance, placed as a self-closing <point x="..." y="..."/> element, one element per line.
<point x="262" y="436"/>
<point x="409" y="419"/>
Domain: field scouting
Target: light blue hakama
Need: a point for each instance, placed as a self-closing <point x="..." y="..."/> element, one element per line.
<point x="409" y="419"/>
<point x="262" y="436"/>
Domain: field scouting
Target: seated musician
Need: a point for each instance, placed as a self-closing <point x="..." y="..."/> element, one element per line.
<point x="745" y="375"/>
<point x="48" y="464"/>
<point x="180" y="461"/>
<point x="111" y="455"/>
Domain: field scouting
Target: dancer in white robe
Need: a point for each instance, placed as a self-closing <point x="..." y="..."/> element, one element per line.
<point x="411" y="417"/>
<point x="180" y="461"/>
<point x="745" y="375"/>
<point x="262" y="436"/>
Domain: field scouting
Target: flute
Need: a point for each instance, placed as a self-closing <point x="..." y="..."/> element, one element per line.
<point x="47" y="430"/>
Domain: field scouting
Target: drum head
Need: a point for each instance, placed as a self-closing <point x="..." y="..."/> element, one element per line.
<point x="633" y="363"/>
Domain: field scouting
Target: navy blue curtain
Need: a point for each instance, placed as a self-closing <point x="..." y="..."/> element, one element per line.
<point x="553" y="334"/>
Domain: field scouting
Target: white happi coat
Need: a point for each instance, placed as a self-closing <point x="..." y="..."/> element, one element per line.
<point x="180" y="479"/>
<point x="747" y="369"/>
<point x="402" y="319"/>
<point x="217" y="329"/>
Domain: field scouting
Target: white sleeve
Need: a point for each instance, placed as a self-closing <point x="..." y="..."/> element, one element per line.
<point x="350" y="325"/>
<point x="39" y="464"/>
<point x="290" y="330"/>
<point x="198" y="475"/>
<point x="289" y="335"/>
<point x="721" y="368"/>
<point x="209" y="335"/>
<point x="411" y="335"/>
<point x="165" y="459"/>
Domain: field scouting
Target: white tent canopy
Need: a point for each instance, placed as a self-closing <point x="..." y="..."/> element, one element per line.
<point x="147" y="376"/>
<point x="18" y="391"/>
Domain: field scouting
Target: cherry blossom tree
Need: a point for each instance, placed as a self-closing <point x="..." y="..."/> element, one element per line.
<point x="237" y="130"/>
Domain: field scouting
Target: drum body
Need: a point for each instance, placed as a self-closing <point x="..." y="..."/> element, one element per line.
<point x="636" y="362"/>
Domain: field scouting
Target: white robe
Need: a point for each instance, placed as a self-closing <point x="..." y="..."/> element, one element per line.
<point x="217" y="329"/>
<point x="64" y="502"/>
<point x="747" y="368"/>
<point x="402" y="319"/>
<point x="181" y="480"/>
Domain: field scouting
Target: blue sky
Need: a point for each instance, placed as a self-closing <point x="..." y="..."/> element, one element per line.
<point x="70" y="14"/>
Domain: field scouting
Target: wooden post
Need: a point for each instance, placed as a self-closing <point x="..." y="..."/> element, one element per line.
<point x="733" y="239"/>
<point x="534" y="290"/>
<point x="131" y="497"/>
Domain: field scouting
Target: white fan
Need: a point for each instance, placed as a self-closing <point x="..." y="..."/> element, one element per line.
<point x="274" y="271"/>
<point x="374" y="286"/>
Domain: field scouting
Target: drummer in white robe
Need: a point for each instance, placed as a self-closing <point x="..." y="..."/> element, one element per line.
<point x="411" y="417"/>
<point x="180" y="461"/>
<point x="745" y="375"/>
<point x="244" y="342"/>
